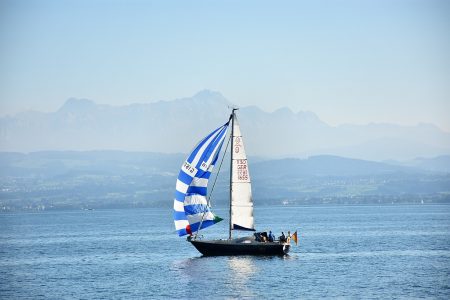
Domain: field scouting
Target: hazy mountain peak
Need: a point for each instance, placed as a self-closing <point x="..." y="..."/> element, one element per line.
<point x="283" y="111"/>
<point x="77" y="105"/>
<point x="202" y="98"/>
<point x="210" y="97"/>
<point x="208" y="94"/>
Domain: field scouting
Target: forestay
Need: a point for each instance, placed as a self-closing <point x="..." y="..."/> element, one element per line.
<point x="190" y="204"/>
<point x="241" y="191"/>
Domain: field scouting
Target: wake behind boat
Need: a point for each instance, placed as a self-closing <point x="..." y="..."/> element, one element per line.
<point x="192" y="210"/>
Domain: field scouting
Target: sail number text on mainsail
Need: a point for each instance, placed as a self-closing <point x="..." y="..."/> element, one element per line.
<point x="242" y="169"/>
<point x="237" y="145"/>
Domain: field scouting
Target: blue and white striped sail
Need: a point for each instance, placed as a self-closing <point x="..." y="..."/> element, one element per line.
<point x="190" y="204"/>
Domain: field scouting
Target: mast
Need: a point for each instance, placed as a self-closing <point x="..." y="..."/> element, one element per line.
<point x="231" y="165"/>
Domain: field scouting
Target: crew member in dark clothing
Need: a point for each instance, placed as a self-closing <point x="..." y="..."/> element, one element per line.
<point x="271" y="236"/>
<point x="282" y="238"/>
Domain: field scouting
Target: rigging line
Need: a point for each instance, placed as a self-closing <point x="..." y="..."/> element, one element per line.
<point x="218" y="171"/>
<point x="214" y="184"/>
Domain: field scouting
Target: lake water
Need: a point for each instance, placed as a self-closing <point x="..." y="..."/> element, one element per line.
<point x="346" y="251"/>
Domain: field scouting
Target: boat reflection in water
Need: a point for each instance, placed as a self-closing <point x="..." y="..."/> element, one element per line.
<point x="242" y="269"/>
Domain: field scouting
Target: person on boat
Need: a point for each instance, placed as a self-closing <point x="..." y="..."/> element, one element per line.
<point x="288" y="239"/>
<point x="264" y="237"/>
<point x="282" y="237"/>
<point x="271" y="236"/>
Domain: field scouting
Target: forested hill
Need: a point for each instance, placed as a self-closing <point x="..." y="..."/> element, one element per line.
<point x="96" y="179"/>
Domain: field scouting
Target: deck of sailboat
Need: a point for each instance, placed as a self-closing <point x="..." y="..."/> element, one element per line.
<point x="240" y="246"/>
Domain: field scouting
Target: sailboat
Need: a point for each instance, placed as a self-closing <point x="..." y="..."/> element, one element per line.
<point x="192" y="211"/>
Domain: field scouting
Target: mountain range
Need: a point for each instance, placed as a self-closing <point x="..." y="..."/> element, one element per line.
<point x="175" y="126"/>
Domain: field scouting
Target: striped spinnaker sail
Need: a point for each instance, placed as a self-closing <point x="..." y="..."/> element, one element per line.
<point x="190" y="205"/>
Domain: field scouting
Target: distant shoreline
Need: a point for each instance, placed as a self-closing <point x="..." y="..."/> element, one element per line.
<point x="219" y="208"/>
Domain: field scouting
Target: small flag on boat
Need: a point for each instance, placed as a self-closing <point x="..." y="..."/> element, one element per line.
<point x="294" y="237"/>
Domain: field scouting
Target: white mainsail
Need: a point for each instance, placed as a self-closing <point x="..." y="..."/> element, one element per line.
<point x="241" y="190"/>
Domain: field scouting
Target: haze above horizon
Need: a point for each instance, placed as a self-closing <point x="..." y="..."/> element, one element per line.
<point x="347" y="61"/>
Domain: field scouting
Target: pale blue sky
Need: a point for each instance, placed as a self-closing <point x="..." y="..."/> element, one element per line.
<point x="347" y="61"/>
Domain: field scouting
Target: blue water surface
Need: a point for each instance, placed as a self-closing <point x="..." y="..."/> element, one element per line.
<point x="344" y="251"/>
